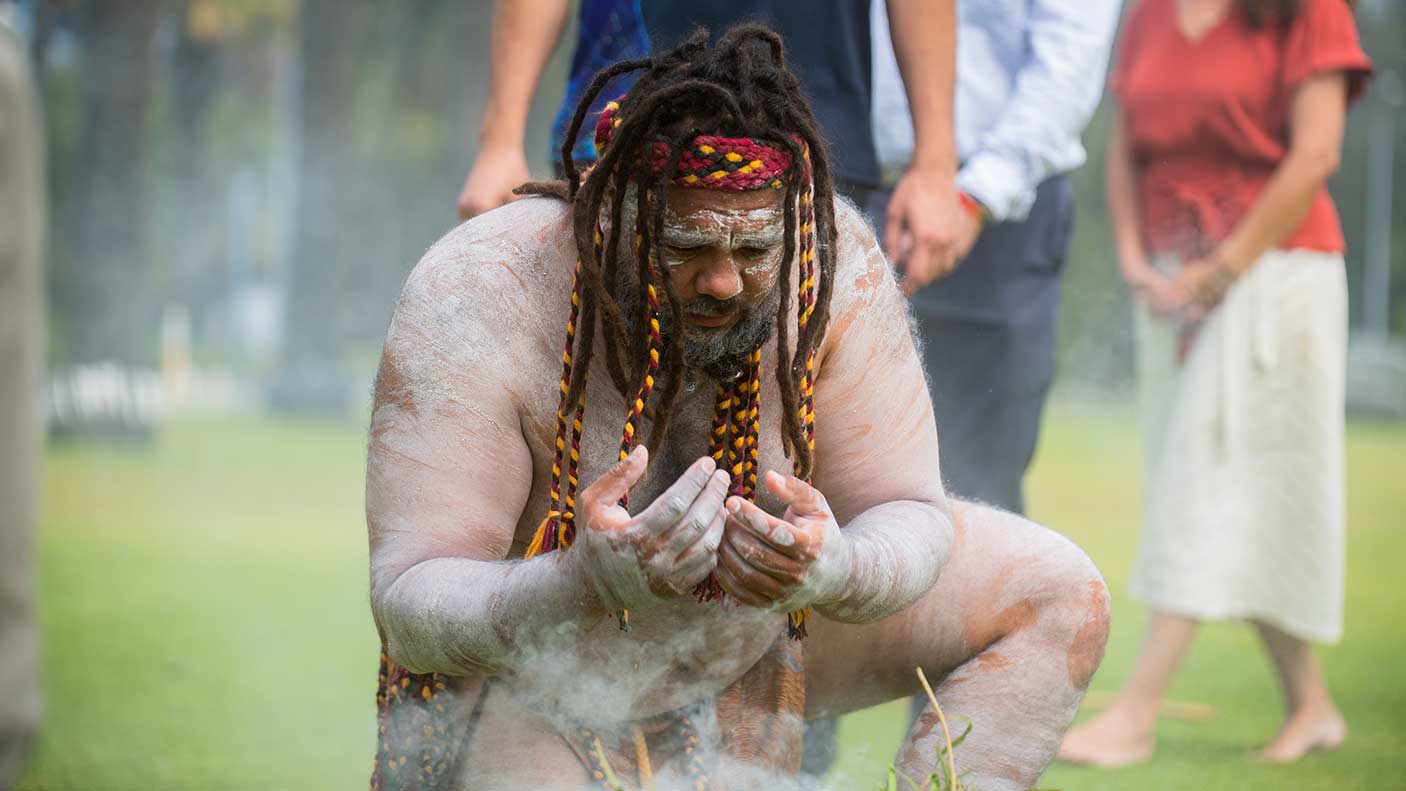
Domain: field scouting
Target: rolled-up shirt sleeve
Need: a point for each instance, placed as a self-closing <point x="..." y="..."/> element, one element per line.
<point x="1056" y="91"/>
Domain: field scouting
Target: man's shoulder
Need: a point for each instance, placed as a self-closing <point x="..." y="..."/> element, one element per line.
<point x="862" y="273"/>
<point x="868" y="313"/>
<point x="510" y="263"/>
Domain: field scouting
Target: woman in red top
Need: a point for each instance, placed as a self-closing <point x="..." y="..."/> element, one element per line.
<point x="1232" y="120"/>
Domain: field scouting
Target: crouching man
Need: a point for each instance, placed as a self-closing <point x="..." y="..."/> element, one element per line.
<point x="653" y="478"/>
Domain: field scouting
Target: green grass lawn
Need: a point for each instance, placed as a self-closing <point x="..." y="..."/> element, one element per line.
<point x="206" y="626"/>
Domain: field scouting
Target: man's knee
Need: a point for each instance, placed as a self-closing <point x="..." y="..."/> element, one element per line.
<point x="1048" y="593"/>
<point x="1076" y="615"/>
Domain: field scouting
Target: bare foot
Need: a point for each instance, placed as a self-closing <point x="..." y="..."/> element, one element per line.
<point x="1303" y="733"/>
<point x="1112" y="739"/>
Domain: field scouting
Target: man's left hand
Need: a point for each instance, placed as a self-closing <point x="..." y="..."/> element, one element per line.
<point x="788" y="563"/>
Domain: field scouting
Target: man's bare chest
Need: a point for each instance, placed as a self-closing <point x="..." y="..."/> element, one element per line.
<point x="685" y="441"/>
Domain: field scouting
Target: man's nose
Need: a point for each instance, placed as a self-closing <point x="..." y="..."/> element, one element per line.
<point x="719" y="278"/>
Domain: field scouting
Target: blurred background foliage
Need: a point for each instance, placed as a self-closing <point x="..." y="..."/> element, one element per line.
<point x="268" y="170"/>
<point x="265" y="172"/>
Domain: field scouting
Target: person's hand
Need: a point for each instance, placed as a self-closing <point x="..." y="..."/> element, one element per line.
<point x="662" y="552"/>
<point x="495" y="174"/>
<point x="788" y="563"/>
<point x="1206" y="281"/>
<point x="927" y="232"/>
<point x="1162" y="295"/>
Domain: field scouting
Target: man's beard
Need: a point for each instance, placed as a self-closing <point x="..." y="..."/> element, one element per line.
<point x="719" y="352"/>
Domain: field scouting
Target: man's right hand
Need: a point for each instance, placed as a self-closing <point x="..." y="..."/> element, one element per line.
<point x="496" y="172"/>
<point x="662" y="552"/>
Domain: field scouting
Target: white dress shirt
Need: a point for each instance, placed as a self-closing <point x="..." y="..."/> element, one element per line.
<point x="1029" y="75"/>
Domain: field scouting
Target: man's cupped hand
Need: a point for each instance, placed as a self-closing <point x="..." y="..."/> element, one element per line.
<point x="661" y="552"/>
<point x="694" y="528"/>
<point x="788" y="563"/>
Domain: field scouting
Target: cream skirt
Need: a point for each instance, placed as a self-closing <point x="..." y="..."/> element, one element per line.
<point x="1244" y="452"/>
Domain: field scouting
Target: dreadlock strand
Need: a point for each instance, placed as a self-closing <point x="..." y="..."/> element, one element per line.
<point x="547" y="189"/>
<point x="738" y="35"/>
<point x="753" y="429"/>
<point x="609" y="271"/>
<point x="587" y="225"/>
<point x="826" y="232"/>
<point x="586" y="332"/>
<point x="583" y="107"/>
<point x="673" y="369"/>
<point x="785" y="373"/>
<point x="644" y="194"/>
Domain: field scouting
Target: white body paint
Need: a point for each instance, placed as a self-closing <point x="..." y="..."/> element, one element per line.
<point x="458" y="479"/>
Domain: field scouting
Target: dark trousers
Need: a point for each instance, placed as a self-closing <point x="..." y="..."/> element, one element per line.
<point x="987" y="335"/>
<point x="988" y="345"/>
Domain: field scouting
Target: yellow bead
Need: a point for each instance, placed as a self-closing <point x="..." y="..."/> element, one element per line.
<point x="733" y="156"/>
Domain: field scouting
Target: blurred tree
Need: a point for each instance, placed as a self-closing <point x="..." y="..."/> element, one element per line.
<point x="99" y="281"/>
<point x="213" y="143"/>
<point x="386" y="98"/>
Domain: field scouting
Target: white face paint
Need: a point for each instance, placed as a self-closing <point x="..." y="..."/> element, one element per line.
<point x="752" y="237"/>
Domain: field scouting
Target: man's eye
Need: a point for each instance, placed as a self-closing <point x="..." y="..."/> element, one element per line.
<point x="755" y="252"/>
<point x="682" y="250"/>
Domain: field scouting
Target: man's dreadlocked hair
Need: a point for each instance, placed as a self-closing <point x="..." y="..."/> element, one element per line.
<point x="737" y="87"/>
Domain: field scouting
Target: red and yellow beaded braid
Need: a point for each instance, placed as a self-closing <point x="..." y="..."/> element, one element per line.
<point x="711" y="162"/>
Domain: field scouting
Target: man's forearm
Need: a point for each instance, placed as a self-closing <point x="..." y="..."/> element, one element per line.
<point x="472" y="617"/>
<point x="524" y="36"/>
<point x="924" y="36"/>
<point x="898" y="550"/>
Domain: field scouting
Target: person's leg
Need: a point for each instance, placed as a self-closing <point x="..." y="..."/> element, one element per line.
<point x="21" y="345"/>
<point x="1312" y="721"/>
<point x="1009" y="636"/>
<point x="988" y="343"/>
<point x="988" y="382"/>
<point x="1123" y="733"/>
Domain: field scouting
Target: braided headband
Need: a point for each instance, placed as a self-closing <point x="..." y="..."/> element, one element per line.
<point x="711" y="161"/>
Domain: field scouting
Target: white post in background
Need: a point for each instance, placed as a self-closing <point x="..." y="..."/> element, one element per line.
<point x="1381" y="137"/>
